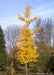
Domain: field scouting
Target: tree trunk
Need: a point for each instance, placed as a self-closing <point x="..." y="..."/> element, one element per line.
<point x="26" y="69"/>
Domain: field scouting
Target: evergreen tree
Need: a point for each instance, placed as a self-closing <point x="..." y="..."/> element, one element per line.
<point x="3" y="54"/>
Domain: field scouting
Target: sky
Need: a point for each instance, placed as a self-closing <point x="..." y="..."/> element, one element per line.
<point x="9" y="9"/>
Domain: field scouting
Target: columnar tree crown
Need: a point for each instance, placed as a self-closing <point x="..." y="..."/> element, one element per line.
<point x="3" y="53"/>
<point x="26" y="43"/>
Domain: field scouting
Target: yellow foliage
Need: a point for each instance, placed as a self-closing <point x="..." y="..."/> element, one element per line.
<point x="12" y="68"/>
<point x="26" y="43"/>
<point x="12" y="63"/>
<point x="34" y="18"/>
<point x="37" y="30"/>
<point x="27" y="12"/>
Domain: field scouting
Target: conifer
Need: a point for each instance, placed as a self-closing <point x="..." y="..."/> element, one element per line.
<point x="3" y="53"/>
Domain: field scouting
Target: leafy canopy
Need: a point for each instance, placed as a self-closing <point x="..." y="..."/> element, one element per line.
<point x="26" y="43"/>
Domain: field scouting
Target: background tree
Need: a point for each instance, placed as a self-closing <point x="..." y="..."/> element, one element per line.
<point x="3" y="53"/>
<point x="44" y="43"/>
<point x="11" y="33"/>
<point x="27" y="51"/>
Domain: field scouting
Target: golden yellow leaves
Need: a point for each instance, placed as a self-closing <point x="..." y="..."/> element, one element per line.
<point x="27" y="56"/>
<point x="17" y="37"/>
<point x="37" y="29"/>
<point x="25" y="20"/>
<point x="12" y="63"/>
<point x="26" y="17"/>
<point x="26" y="43"/>
<point x="27" y="12"/>
<point x="12" y="68"/>
<point x="30" y="20"/>
<point x="26" y="26"/>
<point x="34" y="18"/>
<point x="21" y="18"/>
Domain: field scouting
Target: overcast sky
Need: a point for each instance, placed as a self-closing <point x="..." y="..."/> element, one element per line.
<point x="9" y="9"/>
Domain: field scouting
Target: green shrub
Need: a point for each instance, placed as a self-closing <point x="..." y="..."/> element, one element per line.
<point x="31" y="65"/>
<point x="43" y="64"/>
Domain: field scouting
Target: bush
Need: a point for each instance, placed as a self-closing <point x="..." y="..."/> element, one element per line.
<point x="43" y="64"/>
<point x="31" y="65"/>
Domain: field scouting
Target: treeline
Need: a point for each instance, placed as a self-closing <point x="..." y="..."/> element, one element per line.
<point x="44" y="42"/>
<point x="45" y="45"/>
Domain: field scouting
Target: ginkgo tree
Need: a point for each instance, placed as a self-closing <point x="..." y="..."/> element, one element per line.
<point x="26" y="43"/>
